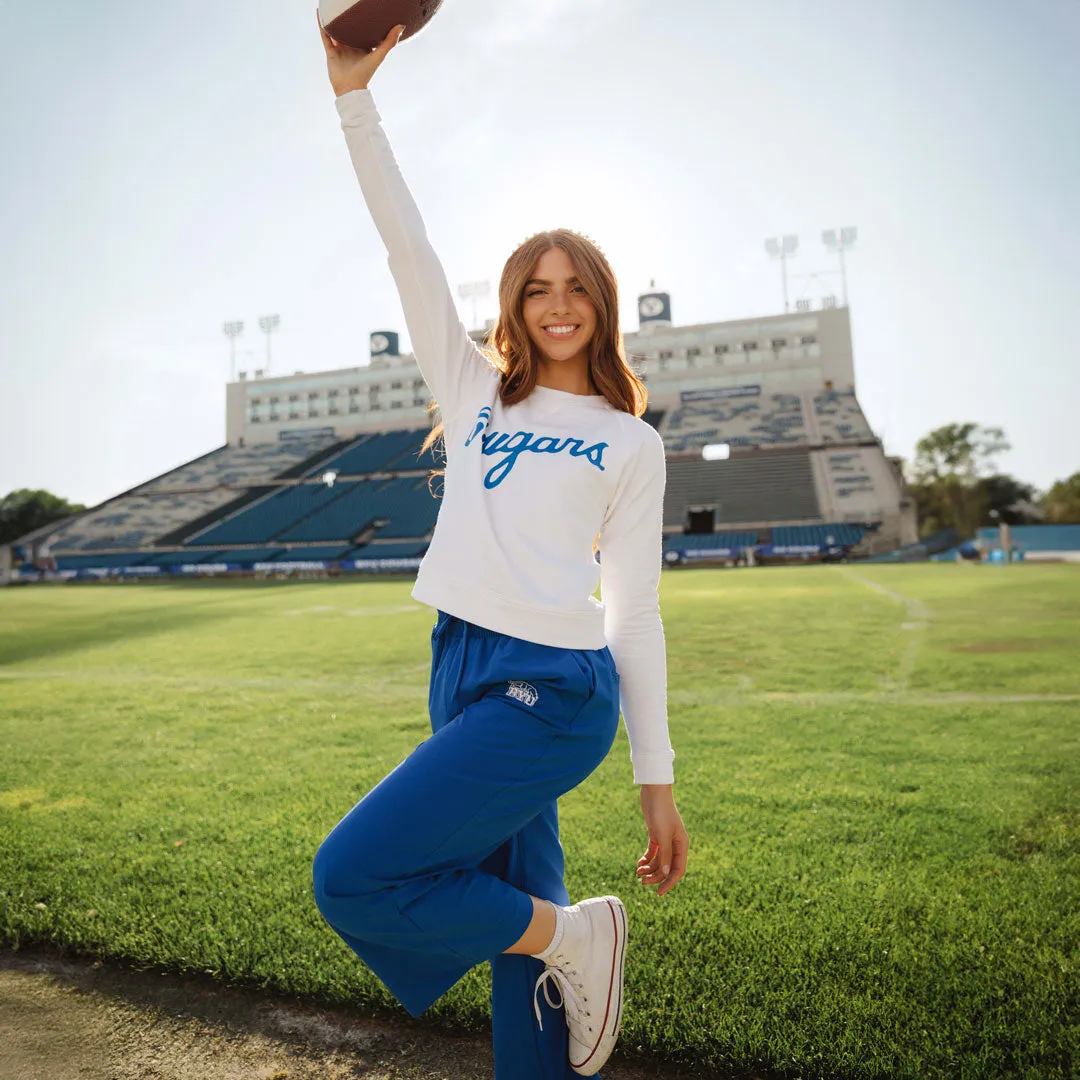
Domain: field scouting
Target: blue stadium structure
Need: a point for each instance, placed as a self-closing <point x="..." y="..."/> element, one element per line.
<point x="306" y="504"/>
<point x="312" y="477"/>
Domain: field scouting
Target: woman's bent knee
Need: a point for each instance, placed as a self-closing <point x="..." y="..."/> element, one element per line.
<point x="335" y="876"/>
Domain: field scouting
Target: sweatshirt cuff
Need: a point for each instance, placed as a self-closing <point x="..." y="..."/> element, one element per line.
<point x="355" y="104"/>
<point x="654" y="769"/>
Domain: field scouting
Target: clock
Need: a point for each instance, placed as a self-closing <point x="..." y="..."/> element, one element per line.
<point x="651" y="306"/>
<point x="379" y="343"/>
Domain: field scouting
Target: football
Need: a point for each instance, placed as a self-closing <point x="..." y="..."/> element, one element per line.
<point x="363" y="24"/>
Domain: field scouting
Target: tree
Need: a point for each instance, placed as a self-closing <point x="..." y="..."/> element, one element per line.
<point x="25" y="510"/>
<point x="960" y="451"/>
<point x="951" y="464"/>
<point x="1061" y="504"/>
<point x="1008" y="500"/>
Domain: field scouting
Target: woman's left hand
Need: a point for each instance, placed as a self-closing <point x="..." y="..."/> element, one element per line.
<point x="664" y="861"/>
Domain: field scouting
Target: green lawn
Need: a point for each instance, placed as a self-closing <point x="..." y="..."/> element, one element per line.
<point x="879" y="768"/>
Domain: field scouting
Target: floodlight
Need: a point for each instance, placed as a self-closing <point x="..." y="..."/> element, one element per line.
<point x="839" y="245"/>
<point x="269" y="324"/>
<point x="232" y="331"/>
<point x="473" y="290"/>
<point x="716" y="452"/>
<point x="780" y="247"/>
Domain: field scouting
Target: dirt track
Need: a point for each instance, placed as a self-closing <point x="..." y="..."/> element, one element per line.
<point x="72" y="1019"/>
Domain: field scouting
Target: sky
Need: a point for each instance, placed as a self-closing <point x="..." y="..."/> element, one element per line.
<point x="169" y="167"/>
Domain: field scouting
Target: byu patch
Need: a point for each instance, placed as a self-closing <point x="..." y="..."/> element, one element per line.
<point x="523" y="692"/>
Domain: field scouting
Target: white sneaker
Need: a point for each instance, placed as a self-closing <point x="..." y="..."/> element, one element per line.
<point x="588" y="969"/>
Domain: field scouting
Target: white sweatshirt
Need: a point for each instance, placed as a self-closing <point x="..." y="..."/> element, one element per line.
<point x="527" y="488"/>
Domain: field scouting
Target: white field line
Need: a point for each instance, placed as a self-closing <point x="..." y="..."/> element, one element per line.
<point x="918" y="619"/>
<point x="406" y="680"/>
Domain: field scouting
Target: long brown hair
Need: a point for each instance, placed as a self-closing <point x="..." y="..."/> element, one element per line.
<point x="511" y="351"/>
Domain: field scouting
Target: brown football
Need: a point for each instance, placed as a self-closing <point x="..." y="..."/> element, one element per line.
<point x="363" y="24"/>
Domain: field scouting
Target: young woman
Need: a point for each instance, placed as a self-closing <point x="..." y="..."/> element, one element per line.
<point x="454" y="857"/>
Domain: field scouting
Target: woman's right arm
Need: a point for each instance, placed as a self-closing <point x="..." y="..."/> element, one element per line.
<point x="448" y="358"/>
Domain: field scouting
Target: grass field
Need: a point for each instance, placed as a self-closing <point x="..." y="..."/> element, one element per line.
<point x="879" y="768"/>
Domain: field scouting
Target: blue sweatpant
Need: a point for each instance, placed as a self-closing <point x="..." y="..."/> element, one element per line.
<point x="431" y="872"/>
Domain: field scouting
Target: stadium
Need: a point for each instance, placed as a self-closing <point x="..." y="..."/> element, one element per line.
<point x="322" y="472"/>
<point x="870" y="666"/>
<point x="871" y="758"/>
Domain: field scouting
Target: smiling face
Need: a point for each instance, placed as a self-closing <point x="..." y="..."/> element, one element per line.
<point x="558" y="313"/>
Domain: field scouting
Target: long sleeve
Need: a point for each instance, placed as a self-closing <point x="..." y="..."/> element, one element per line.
<point x="447" y="357"/>
<point x="631" y="555"/>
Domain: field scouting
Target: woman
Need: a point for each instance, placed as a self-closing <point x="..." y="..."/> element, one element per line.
<point x="454" y="857"/>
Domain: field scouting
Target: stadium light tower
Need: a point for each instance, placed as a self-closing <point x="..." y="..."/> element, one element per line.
<point x="471" y="290"/>
<point x="840" y="240"/>
<point x="268" y="324"/>
<point x="232" y="331"/>
<point x="780" y="247"/>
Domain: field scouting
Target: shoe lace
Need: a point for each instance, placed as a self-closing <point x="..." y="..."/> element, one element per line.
<point x="574" y="1006"/>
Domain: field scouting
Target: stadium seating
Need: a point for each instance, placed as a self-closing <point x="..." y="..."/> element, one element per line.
<point x="135" y="520"/>
<point x="240" y="466"/>
<point x="318" y="512"/>
<point x="180" y="558"/>
<point x="839" y="418"/>
<point x="274" y="515"/>
<point x="734" y="540"/>
<point x="769" y="486"/>
<point x="389" y="551"/>
<point x="837" y="535"/>
<point x="238" y="556"/>
<point x="653" y="417"/>
<point x="194" y="491"/>
<point x="771" y="420"/>
<point x="405" y="501"/>
<point x="324" y="552"/>
<point x="920" y="551"/>
<point x="382" y="452"/>
<point x="341" y="518"/>
<point x="278" y="509"/>
<point x="848" y="475"/>
<point x="410" y="507"/>
<point x="99" y="562"/>
<point x="952" y="555"/>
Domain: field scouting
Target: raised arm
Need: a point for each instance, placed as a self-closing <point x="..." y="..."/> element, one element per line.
<point x="449" y="360"/>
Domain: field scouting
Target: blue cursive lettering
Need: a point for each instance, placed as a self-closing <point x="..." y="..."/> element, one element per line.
<point x="521" y="442"/>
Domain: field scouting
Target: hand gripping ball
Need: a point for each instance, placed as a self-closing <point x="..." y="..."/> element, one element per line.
<point x="363" y="24"/>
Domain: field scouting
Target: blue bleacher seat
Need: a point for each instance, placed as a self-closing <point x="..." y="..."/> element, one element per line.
<point x="389" y="551"/>
<point x="100" y="562"/>
<point x="267" y="518"/>
<point x="375" y="453"/>
<point x="735" y="540"/>
<point x="325" y="552"/>
<point x="836" y="535"/>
